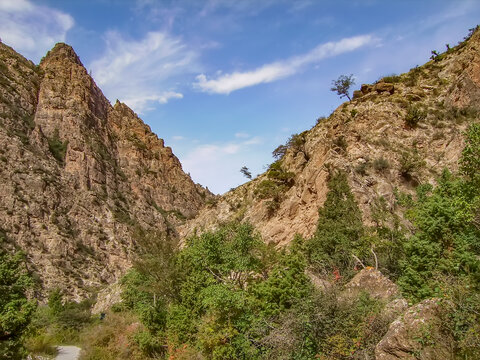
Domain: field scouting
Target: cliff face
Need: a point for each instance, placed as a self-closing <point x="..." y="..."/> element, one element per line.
<point x="81" y="180"/>
<point x="392" y="136"/>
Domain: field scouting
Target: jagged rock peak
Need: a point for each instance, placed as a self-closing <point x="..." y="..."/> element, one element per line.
<point x="61" y="51"/>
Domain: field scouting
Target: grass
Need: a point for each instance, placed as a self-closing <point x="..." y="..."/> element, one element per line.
<point x="381" y="164"/>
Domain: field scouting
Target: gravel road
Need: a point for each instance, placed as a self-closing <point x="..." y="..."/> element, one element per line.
<point x="68" y="353"/>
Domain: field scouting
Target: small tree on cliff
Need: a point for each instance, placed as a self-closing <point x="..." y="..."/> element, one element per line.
<point x="342" y="85"/>
<point x="246" y="172"/>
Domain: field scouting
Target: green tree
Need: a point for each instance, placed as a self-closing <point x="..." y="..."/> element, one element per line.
<point x="445" y="242"/>
<point x="470" y="160"/>
<point x="15" y="309"/>
<point x="340" y="231"/>
<point x="342" y="85"/>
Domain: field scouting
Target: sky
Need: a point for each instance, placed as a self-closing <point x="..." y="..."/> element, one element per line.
<point x="224" y="82"/>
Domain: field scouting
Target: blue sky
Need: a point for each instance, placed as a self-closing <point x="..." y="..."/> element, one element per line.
<point x="226" y="81"/>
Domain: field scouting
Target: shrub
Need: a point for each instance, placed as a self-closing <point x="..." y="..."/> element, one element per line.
<point x="393" y="78"/>
<point x="414" y="115"/>
<point x="57" y="148"/>
<point x="340" y="144"/>
<point x="381" y="164"/>
<point x="362" y="168"/>
<point x="296" y="142"/>
<point x="410" y="163"/>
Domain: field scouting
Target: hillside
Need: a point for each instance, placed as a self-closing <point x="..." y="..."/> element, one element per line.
<point x="82" y="180"/>
<point x="397" y="133"/>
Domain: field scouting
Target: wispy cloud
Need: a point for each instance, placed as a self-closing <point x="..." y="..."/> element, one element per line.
<point x="241" y="135"/>
<point x="225" y="84"/>
<point x="143" y="72"/>
<point x="204" y="161"/>
<point x="32" y="29"/>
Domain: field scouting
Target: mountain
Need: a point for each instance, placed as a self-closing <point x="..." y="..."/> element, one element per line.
<point x="82" y="180"/>
<point x="399" y="132"/>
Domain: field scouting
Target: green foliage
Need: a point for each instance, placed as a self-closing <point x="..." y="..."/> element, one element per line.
<point x="15" y="309"/>
<point x="446" y="239"/>
<point x="274" y="188"/>
<point x="393" y="78"/>
<point x="57" y="147"/>
<point x="340" y="231"/>
<point x="55" y="304"/>
<point x="342" y="85"/>
<point x="463" y="317"/>
<point x="296" y="142"/>
<point x="414" y="115"/>
<point x="322" y="326"/>
<point x="470" y="161"/>
<point x="411" y="163"/>
<point x="227" y="282"/>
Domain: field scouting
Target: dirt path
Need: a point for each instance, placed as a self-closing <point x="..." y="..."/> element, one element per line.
<point x="68" y="353"/>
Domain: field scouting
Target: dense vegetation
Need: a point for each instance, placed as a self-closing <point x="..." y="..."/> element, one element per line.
<point x="15" y="309"/>
<point x="228" y="295"/>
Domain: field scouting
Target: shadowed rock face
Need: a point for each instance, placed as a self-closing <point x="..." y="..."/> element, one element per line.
<point x="370" y="127"/>
<point x="81" y="180"/>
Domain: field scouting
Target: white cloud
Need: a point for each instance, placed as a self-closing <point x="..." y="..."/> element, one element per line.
<point x="225" y="84"/>
<point x="178" y="137"/>
<point x="253" y="141"/>
<point x="218" y="165"/>
<point x="141" y="73"/>
<point x="32" y="29"/>
<point x="242" y="135"/>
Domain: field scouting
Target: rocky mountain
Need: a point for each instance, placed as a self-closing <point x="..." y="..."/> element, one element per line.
<point x="396" y="133"/>
<point x="82" y="180"/>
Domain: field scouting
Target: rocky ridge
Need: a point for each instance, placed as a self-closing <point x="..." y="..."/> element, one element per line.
<point x="397" y="133"/>
<point x="82" y="180"/>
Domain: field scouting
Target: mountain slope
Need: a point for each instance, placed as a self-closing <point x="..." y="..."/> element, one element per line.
<point x="82" y="180"/>
<point x="402" y="131"/>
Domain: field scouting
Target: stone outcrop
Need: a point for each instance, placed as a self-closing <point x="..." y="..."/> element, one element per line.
<point x="82" y="180"/>
<point x="374" y="283"/>
<point x="369" y="128"/>
<point x="417" y="334"/>
<point x="384" y="87"/>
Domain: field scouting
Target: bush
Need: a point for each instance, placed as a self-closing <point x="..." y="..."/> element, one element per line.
<point x="411" y="163"/>
<point x="414" y="115"/>
<point x="393" y="78"/>
<point x="57" y="148"/>
<point x="340" y="143"/>
<point x="362" y="168"/>
<point x="381" y="164"/>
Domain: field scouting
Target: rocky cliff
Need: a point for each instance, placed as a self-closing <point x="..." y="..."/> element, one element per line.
<point x="397" y="133"/>
<point x="82" y="180"/>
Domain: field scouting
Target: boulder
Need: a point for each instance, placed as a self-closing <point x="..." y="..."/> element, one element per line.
<point x="366" y="88"/>
<point x="357" y="94"/>
<point x="373" y="282"/>
<point x="417" y="334"/>
<point x="382" y="87"/>
<point x="107" y="297"/>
